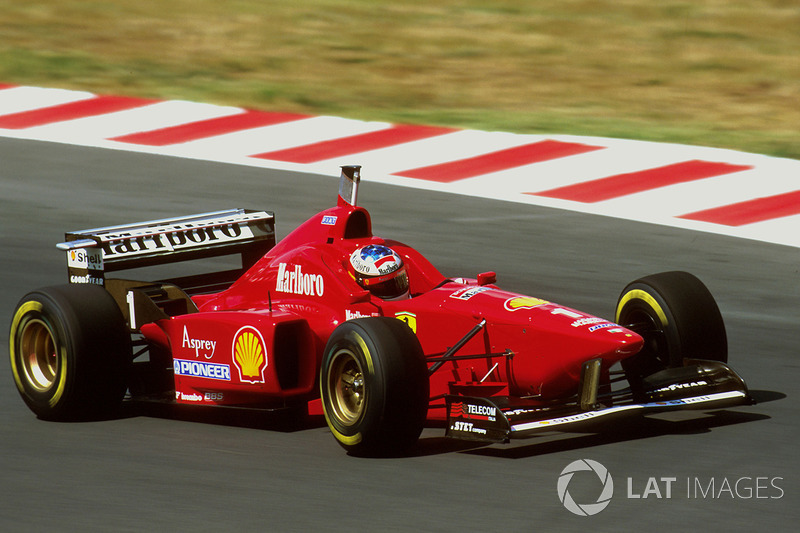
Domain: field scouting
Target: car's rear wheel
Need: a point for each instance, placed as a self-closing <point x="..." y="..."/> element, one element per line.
<point x="374" y="386"/>
<point x="678" y="318"/>
<point x="70" y="352"/>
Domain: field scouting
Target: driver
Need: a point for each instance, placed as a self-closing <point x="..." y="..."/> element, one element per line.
<point x="381" y="271"/>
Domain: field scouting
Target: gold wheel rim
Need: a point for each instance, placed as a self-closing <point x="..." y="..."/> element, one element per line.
<point x="346" y="386"/>
<point x="38" y="355"/>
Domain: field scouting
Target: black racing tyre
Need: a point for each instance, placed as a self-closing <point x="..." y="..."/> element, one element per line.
<point x="677" y="317"/>
<point x="70" y="352"/>
<point x="374" y="386"/>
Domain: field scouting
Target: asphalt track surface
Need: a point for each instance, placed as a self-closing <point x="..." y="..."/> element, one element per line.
<point x="162" y="470"/>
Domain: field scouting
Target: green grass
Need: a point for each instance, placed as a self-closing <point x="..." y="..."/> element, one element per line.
<point x="708" y="72"/>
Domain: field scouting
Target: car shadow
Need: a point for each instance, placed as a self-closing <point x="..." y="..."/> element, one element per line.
<point x="633" y="429"/>
<point x="284" y="420"/>
<point x="630" y="428"/>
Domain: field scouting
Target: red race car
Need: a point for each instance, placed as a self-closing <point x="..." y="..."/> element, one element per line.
<point x="361" y="328"/>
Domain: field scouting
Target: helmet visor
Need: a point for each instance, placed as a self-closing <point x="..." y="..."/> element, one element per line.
<point x="387" y="287"/>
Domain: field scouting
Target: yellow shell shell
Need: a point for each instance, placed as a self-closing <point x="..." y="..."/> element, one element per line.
<point x="523" y="302"/>
<point x="249" y="354"/>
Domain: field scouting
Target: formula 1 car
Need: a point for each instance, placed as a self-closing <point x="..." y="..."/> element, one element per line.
<point x="362" y="327"/>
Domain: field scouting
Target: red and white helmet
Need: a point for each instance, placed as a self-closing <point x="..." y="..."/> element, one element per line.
<point x="381" y="271"/>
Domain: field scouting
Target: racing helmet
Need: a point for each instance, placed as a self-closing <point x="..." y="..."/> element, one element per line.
<point x="380" y="270"/>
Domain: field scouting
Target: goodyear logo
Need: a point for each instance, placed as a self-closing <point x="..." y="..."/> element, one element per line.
<point x="249" y="354"/>
<point x="523" y="302"/>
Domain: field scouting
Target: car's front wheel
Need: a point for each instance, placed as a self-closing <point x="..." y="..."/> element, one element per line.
<point x="678" y="318"/>
<point x="374" y="386"/>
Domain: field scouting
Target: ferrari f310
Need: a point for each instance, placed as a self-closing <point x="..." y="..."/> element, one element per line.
<point x="360" y="327"/>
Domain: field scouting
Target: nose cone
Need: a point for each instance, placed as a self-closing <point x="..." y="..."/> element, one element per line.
<point x="550" y="366"/>
<point x="624" y="342"/>
<point x="607" y="341"/>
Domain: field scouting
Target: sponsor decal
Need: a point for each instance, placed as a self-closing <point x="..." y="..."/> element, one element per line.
<point x="677" y="386"/>
<point x="174" y="237"/>
<point x="293" y="280"/>
<point x="523" y="302"/>
<point x="188" y="397"/>
<point x="481" y="412"/>
<point x="602" y="326"/>
<point x="85" y="258"/>
<point x="329" y="220"/>
<point x="249" y="354"/>
<point x="202" y="369"/>
<point x="86" y="279"/>
<point x="474" y="412"/>
<point x="517" y="412"/>
<point x="204" y="347"/>
<point x="587" y="321"/>
<point x="468" y="292"/>
<point x="462" y="410"/>
<point x="476" y="420"/>
<point x="409" y="318"/>
<point x="468" y="427"/>
<point x="195" y="397"/>
<point x="352" y="315"/>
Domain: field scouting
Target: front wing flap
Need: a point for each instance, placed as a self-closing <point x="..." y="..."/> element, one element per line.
<point x="501" y="418"/>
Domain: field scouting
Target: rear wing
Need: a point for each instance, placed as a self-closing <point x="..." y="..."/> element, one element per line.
<point x="94" y="252"/>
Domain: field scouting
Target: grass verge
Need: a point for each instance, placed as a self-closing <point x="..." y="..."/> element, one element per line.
<point x="709" y="72"/>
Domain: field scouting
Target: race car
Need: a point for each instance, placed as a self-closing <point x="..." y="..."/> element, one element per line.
<point x="363" y="329"/>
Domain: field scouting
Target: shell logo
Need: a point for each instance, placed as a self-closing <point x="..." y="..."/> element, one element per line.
<point x="250" y="354"/>
<point x="523" y="302"/>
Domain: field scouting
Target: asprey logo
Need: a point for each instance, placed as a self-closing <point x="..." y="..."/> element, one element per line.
<point x="204" y="347"/>
<point x="566" y="477"/>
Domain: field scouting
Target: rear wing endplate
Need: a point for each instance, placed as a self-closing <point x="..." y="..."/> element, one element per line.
<point x="93" y="252"/>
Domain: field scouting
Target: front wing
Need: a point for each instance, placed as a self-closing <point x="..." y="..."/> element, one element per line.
<point x="702" y="385"/>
